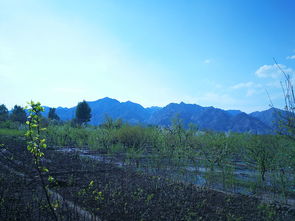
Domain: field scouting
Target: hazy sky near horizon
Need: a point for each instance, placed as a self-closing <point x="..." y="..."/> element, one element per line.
<point x="153" y="52"/>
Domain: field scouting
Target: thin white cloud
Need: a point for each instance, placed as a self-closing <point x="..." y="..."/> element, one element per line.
<point x="207" y="61"/>
<point x="249" y="84"/>
<point x="243" y="85"/>
<point x="291" y="57"/>
<point x="250" y="92"/>
<point x="272" y="71"/>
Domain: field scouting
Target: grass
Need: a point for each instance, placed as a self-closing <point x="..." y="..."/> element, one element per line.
<point x="11" y="132"/>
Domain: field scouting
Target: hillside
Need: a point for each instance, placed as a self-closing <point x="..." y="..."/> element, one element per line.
<point x="206" y="118"/>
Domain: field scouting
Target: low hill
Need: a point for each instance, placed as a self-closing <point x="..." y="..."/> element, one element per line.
<point x="206" y="118"/>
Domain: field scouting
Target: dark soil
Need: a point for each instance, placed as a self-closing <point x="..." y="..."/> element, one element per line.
<point x="114" y="193"/>
<point x="121" y="194"/>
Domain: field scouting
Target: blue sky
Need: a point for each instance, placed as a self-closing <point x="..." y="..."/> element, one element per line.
<point x="153" y="52"/>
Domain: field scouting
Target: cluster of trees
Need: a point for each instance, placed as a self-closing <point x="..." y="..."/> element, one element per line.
<point x="52" y="115"/>
<point x="271" y="156"/>
<point x="268" y="160"/>
<point x="83" y="114"/>
<point x="18" y="114"/>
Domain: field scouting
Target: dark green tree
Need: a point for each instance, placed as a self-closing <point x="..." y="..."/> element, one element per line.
<point x="3" y="113"/>
<point x="83" y="113"/>
<point x="18" y="114"/>
<point x="52" y="114"/>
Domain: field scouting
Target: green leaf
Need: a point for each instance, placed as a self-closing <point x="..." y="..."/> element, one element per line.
<point x="44" y="169"/>
<point x="50" y="179"/>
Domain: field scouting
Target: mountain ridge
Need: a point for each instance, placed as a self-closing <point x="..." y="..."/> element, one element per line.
<point x="206" y="118"/>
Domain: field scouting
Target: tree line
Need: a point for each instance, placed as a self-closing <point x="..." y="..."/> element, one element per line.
<point x="18" y="114"/>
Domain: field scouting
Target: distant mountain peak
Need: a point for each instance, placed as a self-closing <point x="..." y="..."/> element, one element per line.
<point x="106" y="99"/>
<point x="209" y="118"/>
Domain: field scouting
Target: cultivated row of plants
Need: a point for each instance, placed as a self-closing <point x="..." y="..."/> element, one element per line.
<point x="244" y="163"/>
<point x="111" y="193"/>
<point x="231" y="161"/>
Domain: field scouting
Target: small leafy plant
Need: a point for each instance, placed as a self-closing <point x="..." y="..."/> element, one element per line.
<point x="36" y="144"/>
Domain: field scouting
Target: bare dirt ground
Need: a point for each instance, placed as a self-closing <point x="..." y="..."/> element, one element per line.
<point x="113" y="193"/>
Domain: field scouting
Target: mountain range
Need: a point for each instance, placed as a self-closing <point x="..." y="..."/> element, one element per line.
<point x="206" y="118"/>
